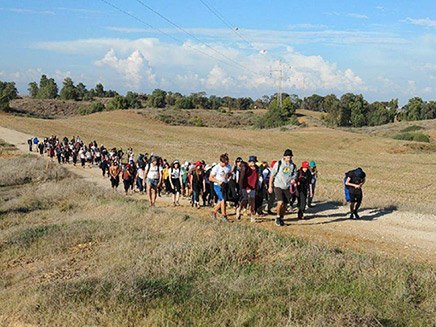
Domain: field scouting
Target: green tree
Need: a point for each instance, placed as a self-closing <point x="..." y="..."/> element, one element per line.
<point x="314" y="102"/>
<point x="81" y="91"/>
<point x="244" y="103"/>
<point x="274" y="117"/>
<point x="157" y="99"/>
<point x="184" y="103"/>
<point x="33" y="90"/>
<point x="133" y="100"/>
<point x="414" y="108"/>
<point x="68" y="91"/>
<point x="118" y="102"/>
<point x="48" y="88"/>
<point x="289" y="106"/>
<point x="99" y="91"/>
<point x="215" y="102"/>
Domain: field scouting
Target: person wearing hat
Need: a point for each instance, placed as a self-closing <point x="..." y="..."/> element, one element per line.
<point x="304" y="180"/>
<point x="354" y="182"/>
<point x="314" y="172"/>
<point x="283" y="172"/>
<point x="154" y="179"/>
<point x="248" y="181"/>
<point x="176" y="181"/>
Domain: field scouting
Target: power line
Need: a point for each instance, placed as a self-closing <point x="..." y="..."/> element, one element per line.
<point x="192" y="35"/>
<point x="233" y="28"/>
<point x="164" y="33"/>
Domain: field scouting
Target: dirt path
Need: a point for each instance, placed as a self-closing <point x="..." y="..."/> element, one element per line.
<point x="404" y="235"/>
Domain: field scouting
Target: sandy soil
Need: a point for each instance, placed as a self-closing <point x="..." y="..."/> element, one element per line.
<point x="398" y="234"/>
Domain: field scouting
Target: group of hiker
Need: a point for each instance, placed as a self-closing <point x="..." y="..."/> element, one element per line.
<point x="250" y="185"/>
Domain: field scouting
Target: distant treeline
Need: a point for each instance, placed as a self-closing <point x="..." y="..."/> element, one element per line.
<point x="348" y="110"/>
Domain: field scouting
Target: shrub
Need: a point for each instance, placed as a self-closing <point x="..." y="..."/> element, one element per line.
<point x="412" y="128"/>
<point x="294" y="120"/>
<point x="419" y="137"/>
<point x="95" y="107"/>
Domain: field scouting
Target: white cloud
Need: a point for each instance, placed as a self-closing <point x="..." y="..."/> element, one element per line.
<point x="79" y="10"/>
<point x="427" y="22"/>
<point x="308" y="73"/>
<point x="358" y="16"/>
<point x="307" y="26"/>
<point x="28" y="11"/>
<point x="412" y="86"/>
<point x="132" y="68"/>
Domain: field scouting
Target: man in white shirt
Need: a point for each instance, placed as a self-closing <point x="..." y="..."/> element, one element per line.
<point x="220" y="176"/>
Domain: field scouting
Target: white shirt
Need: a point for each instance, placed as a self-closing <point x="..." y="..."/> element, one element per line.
<point x="221" y="173"/>
<point x="175" y="173"/>
<point x="153" y="171"/>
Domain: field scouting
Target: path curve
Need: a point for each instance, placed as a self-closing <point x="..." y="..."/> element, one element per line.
<point x="399" y="234"/>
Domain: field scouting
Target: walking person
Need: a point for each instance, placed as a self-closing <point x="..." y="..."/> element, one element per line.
<point x="198" y="184"/>
<point x="314" y="172"/>
<point x="176" y="182"/>
<point x="355" y="180"/>
<point x="304" y="180"/>
<point x="128" y="177"/>
<point x="140" y="177"/>
<point x="248" y="181"/>
<point x="114" y="172"/>
<point x="283" y="172"/>
<point x="219" y="176"/>
<point x="154" y="179"/>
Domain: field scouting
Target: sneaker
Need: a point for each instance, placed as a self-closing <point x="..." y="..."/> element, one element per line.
<point x="352" y="216"/>
<point x="238" y="213"/>
<point x="282" y="222"/>
<point x="278" y="221"/>
<point x="213" y="215"/>
<point x="356" y="215"/>
<point x="253" y="220"/>
<point x="270" y="212"/>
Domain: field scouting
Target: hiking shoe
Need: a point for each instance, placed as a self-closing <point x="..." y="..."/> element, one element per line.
<point x="278" y="222"/>
<point x="352" y="216"/>
<point x="238" y="214"/>
<point x="356" y="215"/>
<point x="282" y="222"/>
<point x="213" y="215"/>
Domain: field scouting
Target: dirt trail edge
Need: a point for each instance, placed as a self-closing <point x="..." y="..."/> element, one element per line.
<point x="399" y="234"/>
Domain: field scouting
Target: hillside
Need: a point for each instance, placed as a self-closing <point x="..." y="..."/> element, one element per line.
<point x="76" y="254"/>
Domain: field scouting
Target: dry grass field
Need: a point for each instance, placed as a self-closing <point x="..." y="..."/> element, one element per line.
<point x="75" y="254"/>
<point x="399" y="175"/>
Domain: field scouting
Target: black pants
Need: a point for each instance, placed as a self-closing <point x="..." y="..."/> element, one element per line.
<point x="302" y="199"/>
<point x="115" y="181"/>
<point x="127" y="184"/>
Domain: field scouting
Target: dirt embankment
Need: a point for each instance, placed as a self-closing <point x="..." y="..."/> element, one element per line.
<point x="50" y="108"/>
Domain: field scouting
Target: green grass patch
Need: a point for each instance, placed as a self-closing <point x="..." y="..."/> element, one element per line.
<point x="416" y="137"/>
<point x="412" y="128"/>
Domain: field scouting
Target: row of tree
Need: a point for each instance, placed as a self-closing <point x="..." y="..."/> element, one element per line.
<point x="48" y="89"/>
<point x="353" y="110"/>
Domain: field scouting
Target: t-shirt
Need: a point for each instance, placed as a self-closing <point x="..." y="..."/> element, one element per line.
<point x="354" y="178"/>
<point x="283" y="174"/>
<point x="141" y="173"/>
<point x="175" y="173"/>
<point x="221" y="173"/>
<point x="153" y="171"/>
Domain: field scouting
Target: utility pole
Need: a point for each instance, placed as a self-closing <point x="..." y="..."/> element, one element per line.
<point x="280" y="71"/>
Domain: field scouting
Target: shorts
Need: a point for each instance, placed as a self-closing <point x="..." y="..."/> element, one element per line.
<point x="356" y="194"/>
<point x="245" y="194"/>
<point x="283" y="195"/>
<point x="152" y="183"/>
<point x="176" y="183"/>
<point x="218" y="192"/>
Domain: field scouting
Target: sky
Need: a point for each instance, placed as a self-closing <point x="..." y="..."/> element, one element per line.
<point x="381" y="48"/>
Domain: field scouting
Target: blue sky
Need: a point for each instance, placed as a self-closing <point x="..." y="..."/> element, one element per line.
<point x="383" y="49"/>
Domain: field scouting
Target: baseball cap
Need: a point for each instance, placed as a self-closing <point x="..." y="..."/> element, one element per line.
<point x="305" y="164"/>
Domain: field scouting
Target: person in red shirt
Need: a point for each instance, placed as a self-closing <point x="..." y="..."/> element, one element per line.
<point x="249" y="184"/>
